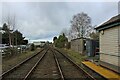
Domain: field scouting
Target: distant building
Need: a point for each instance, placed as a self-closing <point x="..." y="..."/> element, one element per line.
<point x="84" y="46"/>
<point x="110" y="43"/>
<point x="39" y="43"/>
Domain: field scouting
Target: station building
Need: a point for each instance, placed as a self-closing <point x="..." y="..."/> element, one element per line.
<point x="109" y="38"/>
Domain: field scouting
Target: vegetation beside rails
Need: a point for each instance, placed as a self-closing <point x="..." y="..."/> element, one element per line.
<point x="77" y="57"/>
<point x="7" y="63"/>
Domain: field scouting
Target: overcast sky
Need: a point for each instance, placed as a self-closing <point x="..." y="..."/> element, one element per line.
<point x="44" y="20"/>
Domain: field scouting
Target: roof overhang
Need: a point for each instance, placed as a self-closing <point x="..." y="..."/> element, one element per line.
<point x="114" y="21"/>
<point x="107" y="26"/>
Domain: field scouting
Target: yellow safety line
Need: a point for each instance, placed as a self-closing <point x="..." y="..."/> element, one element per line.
<point x="104" y="72"/>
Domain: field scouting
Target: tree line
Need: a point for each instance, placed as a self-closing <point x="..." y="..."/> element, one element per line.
<point x="12" y="37"/>
<point x="61" y="41"/>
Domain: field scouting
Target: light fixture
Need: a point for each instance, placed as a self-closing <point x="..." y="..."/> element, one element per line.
<point x="102" y="32"/>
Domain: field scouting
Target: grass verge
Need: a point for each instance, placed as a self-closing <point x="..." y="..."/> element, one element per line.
<point x="77" y="57"/>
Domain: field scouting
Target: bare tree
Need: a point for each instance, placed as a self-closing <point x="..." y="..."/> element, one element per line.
<point x="71" y="34"/>
<point x="11" y="23"/>
<point x="94" y="35"/>
<point x="80" y="25"/>
<point x="9" y="30"/>
<point x="65" y="31"/>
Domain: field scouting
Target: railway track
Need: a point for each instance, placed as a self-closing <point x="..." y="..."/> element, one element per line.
<point x="46" y="69"/>
<point x="21" y="70"/>
<point x="47" y="64"/>
<point x="70" y="70"/>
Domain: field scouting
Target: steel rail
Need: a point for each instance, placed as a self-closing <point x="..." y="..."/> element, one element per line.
<point x="33" y="68"/>
<point x="58" y="65"/>
<point x="84" y="72"/>
<point x="18" y="65"/>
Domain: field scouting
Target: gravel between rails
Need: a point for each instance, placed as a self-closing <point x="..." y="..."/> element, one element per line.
<point x="46" y="69"/>
<point x="70" y="72"/>
<point x="20" y="72"/>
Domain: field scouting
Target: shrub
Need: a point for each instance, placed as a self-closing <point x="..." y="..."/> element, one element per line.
<point x="32" y="47"/>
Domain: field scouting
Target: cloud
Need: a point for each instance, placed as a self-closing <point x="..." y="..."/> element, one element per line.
<point x="98" y="11"/>
<point x="44" y="20"/>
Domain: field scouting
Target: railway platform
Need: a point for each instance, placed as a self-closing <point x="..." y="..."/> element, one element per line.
<point x="108" y="74"/>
